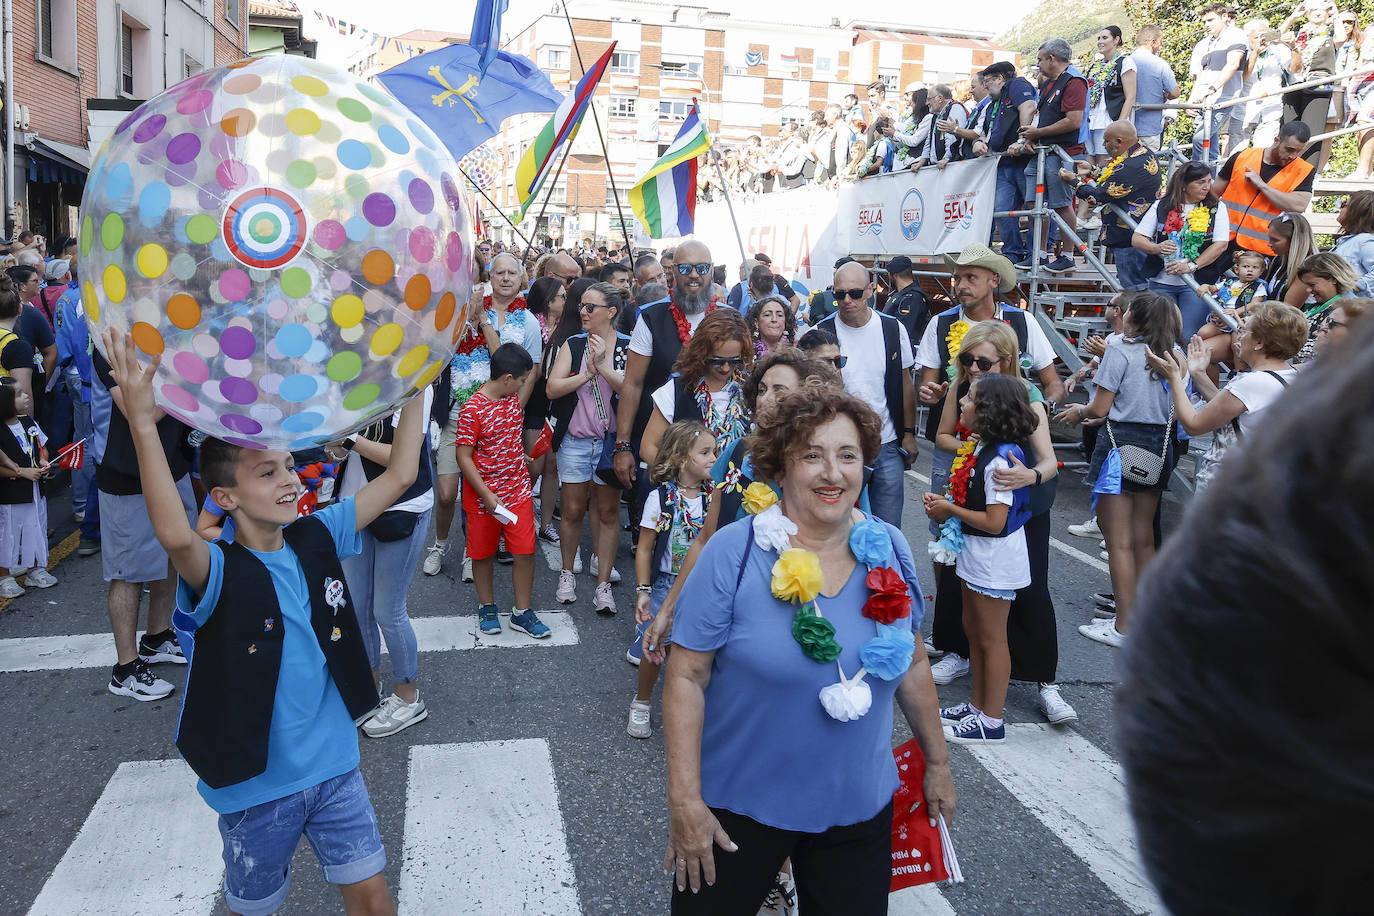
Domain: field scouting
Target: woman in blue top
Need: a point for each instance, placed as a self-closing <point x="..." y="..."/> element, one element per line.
<point x="778" y="606"/>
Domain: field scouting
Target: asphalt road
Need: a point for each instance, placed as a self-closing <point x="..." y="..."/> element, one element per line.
<point x="521" y="793"/>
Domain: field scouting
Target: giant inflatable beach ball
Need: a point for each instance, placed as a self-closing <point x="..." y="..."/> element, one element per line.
<point x="292" y="241"/>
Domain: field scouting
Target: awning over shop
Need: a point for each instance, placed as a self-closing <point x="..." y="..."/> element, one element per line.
<point x="51" y="161"/>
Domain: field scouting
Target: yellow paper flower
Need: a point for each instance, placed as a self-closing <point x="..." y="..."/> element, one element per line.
<point x="797" y="576"/>
<point x="1198" y="219"/>
<point x="955" y="338"/>
<point x="757" y="497"/>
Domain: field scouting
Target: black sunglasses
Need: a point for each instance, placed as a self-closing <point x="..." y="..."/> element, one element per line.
<point x="967" y="360"/>
<point x="686" y="269"/>
<point x="838" y="361"/>
<point x="566" y="281"/>
<point x="858" y="293"/>
<point x="724" y="362"/>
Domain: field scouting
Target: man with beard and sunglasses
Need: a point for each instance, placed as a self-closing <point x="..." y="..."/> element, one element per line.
<point x="877" y="368"/>
<point x="979" y="276"/>
<point x="659" y="336"/>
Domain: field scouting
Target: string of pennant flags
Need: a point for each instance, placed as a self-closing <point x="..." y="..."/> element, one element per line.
<point x="369" y="37"/>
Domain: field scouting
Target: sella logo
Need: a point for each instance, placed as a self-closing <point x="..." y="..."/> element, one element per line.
<point x="959" y="210"/>
<point x="870" y="219"/>
<point x="912" y="214"/>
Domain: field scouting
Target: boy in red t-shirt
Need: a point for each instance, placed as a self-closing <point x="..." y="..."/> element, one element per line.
<point x="491" y="455"/>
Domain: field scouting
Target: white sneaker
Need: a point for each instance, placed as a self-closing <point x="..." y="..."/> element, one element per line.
<point x="638" y="726"/>
<point x="40" y="578"/>
<point x="10" y="588"/>
<point x="603" y="601"/>
<point x="467" y="567"/>
<point x="931" y="651"/>
<point x="596" y="571"/>
<point x="140" y="684"/>
<point x="393" y="715"/>
<point x="567" y="587"/>
<point x="434" y="559"/>
<point x="577" y="562"/>
<point x="1055" y="707"/>
<point x="947" y="669"/>
<point x="1088" y="529"/>
<point x="1103" y="631"/>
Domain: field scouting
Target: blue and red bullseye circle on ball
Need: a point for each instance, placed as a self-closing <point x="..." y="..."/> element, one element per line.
<point x="264" y="227"/>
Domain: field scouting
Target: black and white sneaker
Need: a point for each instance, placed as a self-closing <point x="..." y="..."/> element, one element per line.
<point x="138" y="681"/>
<point x="161" y="647"/>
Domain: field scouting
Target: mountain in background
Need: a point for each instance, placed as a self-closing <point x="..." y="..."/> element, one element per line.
<point x="1072" y="20"/>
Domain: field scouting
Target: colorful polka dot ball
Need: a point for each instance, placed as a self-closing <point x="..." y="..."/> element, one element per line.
<point x="292" y="241"/>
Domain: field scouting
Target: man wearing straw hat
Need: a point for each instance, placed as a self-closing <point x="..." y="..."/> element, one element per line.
<point x="979" y="275"/>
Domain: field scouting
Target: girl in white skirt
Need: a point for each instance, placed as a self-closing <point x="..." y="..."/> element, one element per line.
<point x="23" y="508"/>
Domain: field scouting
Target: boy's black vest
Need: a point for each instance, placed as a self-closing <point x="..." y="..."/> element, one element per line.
<point x="17" y="491"/>
<point x="561" y="410"/>
<point x="976" y="498"/>
<point x="892" y="371"/>
<point x="667" y="346"/>
<point x="943" y="321"/>
<point x="226" y="713"/>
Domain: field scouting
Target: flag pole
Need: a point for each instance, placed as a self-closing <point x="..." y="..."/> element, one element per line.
<point x="478" y="189"/>
<point x="553" y="187"/>
<point x="606" y="156"/>
<point x="720" y="173"/>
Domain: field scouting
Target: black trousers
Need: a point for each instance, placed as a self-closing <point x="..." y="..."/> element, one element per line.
<point x="845" y="871"/>
<point x="1032" y="638"/>
<point x="1311" y="107"/>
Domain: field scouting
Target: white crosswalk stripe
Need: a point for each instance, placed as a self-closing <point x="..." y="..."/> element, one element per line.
<point x="149" y="846"/>
<point x="1078" y="791"/>
<point x="469" y="805"/>
<point x="434" y="634"/>
<point x="484" y="834"/>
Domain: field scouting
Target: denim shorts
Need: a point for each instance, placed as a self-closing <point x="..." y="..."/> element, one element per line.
<point x="1006" y="594"/>
<point x="1057" y="193"/>
<point x="578" y="458"/>
<point x="336" y="816"/>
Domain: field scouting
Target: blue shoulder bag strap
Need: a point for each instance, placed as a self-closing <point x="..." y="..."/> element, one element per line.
<point x="744" y="560"/>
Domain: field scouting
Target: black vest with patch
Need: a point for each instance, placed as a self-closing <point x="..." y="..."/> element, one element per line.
<point x="659" y="320"/>
<point x="976" y="499"/>
<point x="561" y="409"/>
<point x="892" y="372"/>
<point x="231" y="687"/>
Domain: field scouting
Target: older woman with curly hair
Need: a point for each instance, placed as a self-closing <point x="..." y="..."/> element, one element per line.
<point x="794" y="633"/>
<point x="705" y="384"/>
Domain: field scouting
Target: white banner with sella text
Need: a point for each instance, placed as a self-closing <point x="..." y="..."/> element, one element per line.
<point x="928" y="212"/>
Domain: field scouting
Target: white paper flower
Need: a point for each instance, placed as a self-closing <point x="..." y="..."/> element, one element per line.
<point x="773" y="530"/>
<point x="847" y="700"/>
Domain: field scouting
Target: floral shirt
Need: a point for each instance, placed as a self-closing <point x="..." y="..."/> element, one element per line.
<point x="471" y="367"/>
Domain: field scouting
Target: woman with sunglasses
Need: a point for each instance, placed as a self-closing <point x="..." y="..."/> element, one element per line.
<point x="990" y="348"/>
<point x="706" y="383"/>
<point x="583" y="385"/>
<point x="818" y="343"/>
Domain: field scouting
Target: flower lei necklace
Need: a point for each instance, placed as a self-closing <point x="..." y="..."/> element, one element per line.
<point x="676" y="508"/>
<point x="1111" y="167"/>
<point x="946" y="548"/>
<point x="684" y="330"/>
<point x="797" y="578"/>
<point x="732" y="424"/>
<point x="1192" y="237"/>
<point x="1098" y="72"/>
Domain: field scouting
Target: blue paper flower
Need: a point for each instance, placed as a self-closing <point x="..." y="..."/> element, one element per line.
<point x="887" y="656"/>
<point x="870" y="543"/>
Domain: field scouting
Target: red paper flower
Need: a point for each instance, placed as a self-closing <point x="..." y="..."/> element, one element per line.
<point x="889" y="600"/>
<point x="1173" y="222"/>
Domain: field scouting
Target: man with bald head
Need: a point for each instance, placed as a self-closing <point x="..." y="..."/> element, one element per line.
<point x="659" y="335"/>
<point x="1130" y="180"/>
<point x="563" y="267"/>
<point x="877" y="367"/>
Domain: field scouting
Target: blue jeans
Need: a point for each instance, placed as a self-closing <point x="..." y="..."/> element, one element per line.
<point x="1195" y="311"/>
<point x="84" y="476"/>
<point x="940" y="463"/>
<point x="1009" y="196"/>
<point x="885" y="487"/>
<point x="378" y="579"/>
<point x="1130" y="267"/>
<point x="1219" y="118"/>
<point x="336" y="816"/>
<point x="90" y="527"/>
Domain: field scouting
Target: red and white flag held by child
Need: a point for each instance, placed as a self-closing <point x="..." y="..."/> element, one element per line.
<point x="72" y="457"/>
<point x="921" y="854"/>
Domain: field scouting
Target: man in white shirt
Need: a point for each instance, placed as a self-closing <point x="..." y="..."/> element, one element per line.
<point x="979" y="275"/>
<point x="877" y="368"/>
<point x="1264" y="72"/>
<point x="1219" y="67"/>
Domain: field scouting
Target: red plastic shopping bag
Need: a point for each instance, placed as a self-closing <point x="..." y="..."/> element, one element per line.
<point x="921" y="854"/>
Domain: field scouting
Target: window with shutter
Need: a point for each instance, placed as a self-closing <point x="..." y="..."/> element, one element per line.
<point x="126" y="58"/>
